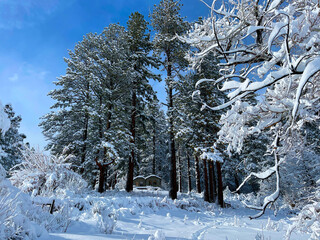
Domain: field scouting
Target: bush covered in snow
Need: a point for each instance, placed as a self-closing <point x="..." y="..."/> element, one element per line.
<point x="308" y="219"/>
<point x="45" y="175"/>
<point x="19" y="218"/>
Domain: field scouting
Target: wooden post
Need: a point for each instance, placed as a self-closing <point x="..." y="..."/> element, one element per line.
<point x="52" y="206"/>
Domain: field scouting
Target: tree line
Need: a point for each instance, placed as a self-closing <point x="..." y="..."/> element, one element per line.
<point x="107" y="114"/>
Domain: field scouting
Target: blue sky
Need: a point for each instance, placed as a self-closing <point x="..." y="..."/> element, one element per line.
<point x="35" y="36"/>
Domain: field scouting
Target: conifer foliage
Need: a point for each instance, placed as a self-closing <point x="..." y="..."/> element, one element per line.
<point x="11" y="141"/>
<point x="141" y="91"/>
<point x="99" y="102"/>
<point x="168" y="23"/>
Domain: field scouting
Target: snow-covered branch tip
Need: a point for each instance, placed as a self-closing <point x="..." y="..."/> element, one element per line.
<point x="264" y="175"/>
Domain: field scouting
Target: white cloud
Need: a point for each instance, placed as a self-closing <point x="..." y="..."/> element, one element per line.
<point x="21" y="13"/>
<point x="14" y="77"/>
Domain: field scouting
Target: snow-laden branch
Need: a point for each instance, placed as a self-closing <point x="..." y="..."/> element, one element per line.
<point x="264" y="175"/>
<point x="311" y="69"/>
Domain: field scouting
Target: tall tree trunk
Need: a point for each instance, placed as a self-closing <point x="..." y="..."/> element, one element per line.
<point x="220" y="185"/>
<point x="198" y="182"/>
<point x="154" y="148"/>
<point x="189" y="174"/>
<point x="107" y="183"/>
<point x="211" y="187"/>
<point x="214" y="182"/>
<point x="129" y="185"/>
<point x="180" y="169"/>
<point x="101" y="175"/>
<point x="173" y="171"/>
<point x="85" y="132"/>
<point x="84" y="147"/>
<point x="114" y="181"/>
<point x="101" y="155"/>
<point x="206" y="184"/>
<point x="100" y="165"/>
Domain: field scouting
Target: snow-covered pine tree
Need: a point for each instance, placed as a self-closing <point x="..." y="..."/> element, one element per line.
<point x="198" y="128"/>
<point x="111" y="100"/>
<point x="92" y="104"/>
<point x="167" y="23"/>
<point x="11" y="142"/>
<point x="140" y="88"/>
<point x="68" y="124"/>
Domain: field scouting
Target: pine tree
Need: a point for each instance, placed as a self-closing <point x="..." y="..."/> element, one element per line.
<point x="141" y="90"/>
<point x="92" y="105"/>
<point x="11" y="142"/>
<point x="68" y="126"/>
<point x="167" y="22"/>
<point x="196" y="128"/>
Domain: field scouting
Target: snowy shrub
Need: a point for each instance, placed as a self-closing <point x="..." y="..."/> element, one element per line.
<point x="19" y="218"/>
<point x="106" y="219"/>
<point x="107" y="223"/>
<point x="158" y="235"/>
<point x="308" y="220"/>
<point x="8" y="229"/>
<point x="45" y="175"/>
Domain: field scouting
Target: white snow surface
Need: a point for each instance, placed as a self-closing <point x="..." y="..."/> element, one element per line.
<point x="151" y="215"/>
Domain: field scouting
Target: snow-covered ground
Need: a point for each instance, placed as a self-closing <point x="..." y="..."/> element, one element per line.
<point x="152" y="215"/>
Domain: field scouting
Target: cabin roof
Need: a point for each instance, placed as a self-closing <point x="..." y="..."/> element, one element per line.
<point x="149" y="176"/>
<point x="152" y="175"/>
<point x="139" y="177"/>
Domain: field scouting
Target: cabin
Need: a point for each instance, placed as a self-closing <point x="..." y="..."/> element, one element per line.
<point x="151" y="180"/>
<point x="139" y="181"/>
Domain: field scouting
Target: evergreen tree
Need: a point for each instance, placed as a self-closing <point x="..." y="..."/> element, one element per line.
<point x="196" y="128"/>
<point x="167" y="22"/>
<point x="11" y="142"/>
<point x="141" y="90"/>
<point x="92" y="104"/>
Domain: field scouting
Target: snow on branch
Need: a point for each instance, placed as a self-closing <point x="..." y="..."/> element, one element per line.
<point x="311" y="69"/>
<point x="211" y="154"/>
<point x="4" y="121"/>
<point x="264" y="175"/>
<point x="269" y="54"/>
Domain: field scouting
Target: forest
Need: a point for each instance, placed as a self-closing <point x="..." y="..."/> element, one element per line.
<point x="233" y="153"/>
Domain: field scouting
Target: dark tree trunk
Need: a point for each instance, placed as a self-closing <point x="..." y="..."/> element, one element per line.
<point x="206" y="184"/>
<point x="101" y="180"/>
<point x="101" y="175"/>
<point x="189" y="174"/>
<point x="114" y="182"/>
<point x="180" y="169"/>
<point x="102" y="165"/>
<point x="214" y="182"/>
<point x="211" y="185"/>
<point x="101" y="155"/>
<point x="198" y="182"/>
<point x="220" y="186"/>
<point x="173" y="171"/>
<point x="154" y="148"/>
<point x="129" y="185"/>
